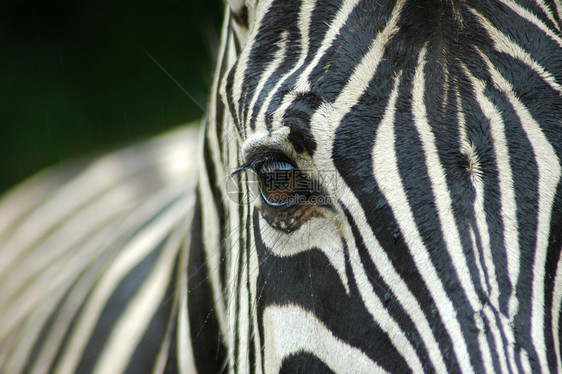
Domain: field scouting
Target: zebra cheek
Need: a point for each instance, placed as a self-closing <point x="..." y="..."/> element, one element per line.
<point x="292" y="219"/>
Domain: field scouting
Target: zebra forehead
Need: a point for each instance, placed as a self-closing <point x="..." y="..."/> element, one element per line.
<point x="301" y="54"/>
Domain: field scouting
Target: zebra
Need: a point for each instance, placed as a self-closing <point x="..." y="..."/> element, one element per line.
<point x="379" y="190"/>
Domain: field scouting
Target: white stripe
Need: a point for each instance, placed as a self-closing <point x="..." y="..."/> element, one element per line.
<point x="504" y="44"/>
<point x="525" y="363"/>
<point x="305" y="16"/>
<point x="555" y="312"/>
<point x="236" y="5"/>
<point x="484" y="346"/>
<point x="465" y="146"/>
<point x="134" y="321"/>
<point x="380" y="314"/>
<point x="24" y="198"/>
<point x="483" y="230"/>
<point x="28" y="282"/>
<point x="439" y="186"/>
<point x="508" y="207"/>
<point x="384" y="162"/>
<point x="549" y="171"/>
<point x="19" y="349"/>
<point x="231" y="292"/>
<point x="210" y="228"/>
<point x="267" y="73"/>
<point x="388" y="178"/>
<point x="326" y="238"/>
<point x="291" y="330"/>
<point x="446" y="85"/>
<point x="104" y="174"/>
<point x="508" y="213"/>
<point x="364" y="71"/>
<point x="134" y="252"/>
<point x="327" y="118"/>
<point x="56" y="249"/>
<point x="184" y="348"/>
<point x="62" y="322"/>
<point x="323" y="124"/>
<point x="525" y="14"/>
<point x="496" y="334"/>
<point x="301" y="240"/>
<point x="242" y="62"/>
<point x="242" y="362"/>
<point x="102" y="246"/>
<point x="467" y="149"/>
<point x="547" y="12"/>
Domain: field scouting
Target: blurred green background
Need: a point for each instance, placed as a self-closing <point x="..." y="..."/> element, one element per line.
<point x="76" y="78"/>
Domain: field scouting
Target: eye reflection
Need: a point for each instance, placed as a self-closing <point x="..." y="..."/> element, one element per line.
<point x="281" y="184"/>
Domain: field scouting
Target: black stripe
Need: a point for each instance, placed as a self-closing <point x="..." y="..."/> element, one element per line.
<point x="304" y="363"/>
<point x="525" y="34"/>
<point x="230" y="99"/>
<point x="115" y="306"/>
<point x="497" y="355"/>
<point x="506" y="13"/>
<point x="390" y="301"/>
<point x="237" y="301"/>
<point x="297" y="117"/>
<point x="244" y="243"/>
<point x="281" y="17"/>
<point x="208" y="348"/>
<point x="334" y="69"/>
<point x="416" y="181"/>
<point x="146" y="353"/>
<point x="479" y="133"/>
<point x="46" y="329"/>
<point x="552" y="260"/>
<point x="288" y="282"/>
<point x="318" y="28"/>
<point x="217" y="204"/>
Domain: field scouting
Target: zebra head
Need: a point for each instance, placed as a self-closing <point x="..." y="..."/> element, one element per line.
<point x="401" y="202"/>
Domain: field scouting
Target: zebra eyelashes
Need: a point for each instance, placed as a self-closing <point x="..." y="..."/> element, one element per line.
<point x="281" y="184"/>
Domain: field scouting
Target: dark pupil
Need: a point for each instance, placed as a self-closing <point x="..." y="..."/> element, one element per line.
<point x="279" y="181"/>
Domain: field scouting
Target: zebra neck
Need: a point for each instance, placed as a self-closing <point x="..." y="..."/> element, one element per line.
<point x="213" y="228"/>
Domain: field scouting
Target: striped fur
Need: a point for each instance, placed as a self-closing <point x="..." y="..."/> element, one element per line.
<point x="438" y="125"/>
<point x="93" y="263"/>
<point x="433" y="131"/>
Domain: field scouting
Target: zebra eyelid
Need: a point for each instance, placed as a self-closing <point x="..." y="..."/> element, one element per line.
<point x="255" y="160"/>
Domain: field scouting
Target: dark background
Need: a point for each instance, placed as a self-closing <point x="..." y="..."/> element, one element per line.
<point x="76" y="78"/>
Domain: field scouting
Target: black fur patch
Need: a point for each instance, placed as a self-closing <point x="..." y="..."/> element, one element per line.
<point x="304" y="363"/>
<point x="297" y="118"/>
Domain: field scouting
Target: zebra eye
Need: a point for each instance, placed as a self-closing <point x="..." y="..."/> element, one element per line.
<point x="282" y="185"/>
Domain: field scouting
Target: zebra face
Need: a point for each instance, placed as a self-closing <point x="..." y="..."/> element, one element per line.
<point x="406" y="160"/>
